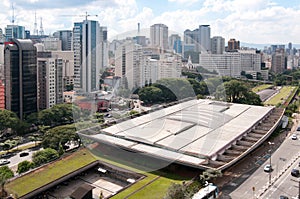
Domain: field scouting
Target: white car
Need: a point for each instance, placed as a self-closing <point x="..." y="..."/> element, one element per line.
<point x="268" y="168"/>
<point x="4" y="161"/>
<point x="294" y="137"/>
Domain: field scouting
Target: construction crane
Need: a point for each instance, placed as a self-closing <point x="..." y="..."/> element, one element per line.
<point x="86" y="15"/>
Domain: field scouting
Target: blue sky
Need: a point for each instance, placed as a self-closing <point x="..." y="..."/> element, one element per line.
<point x="253" y="21"/>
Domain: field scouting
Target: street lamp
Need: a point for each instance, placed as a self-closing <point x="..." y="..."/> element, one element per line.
<point x="270" y="143"/>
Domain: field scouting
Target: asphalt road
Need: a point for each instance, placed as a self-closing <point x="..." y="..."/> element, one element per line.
<point x="286" y="185"/>
<point x="15" y="159"/>
<point x="281" y="158"/>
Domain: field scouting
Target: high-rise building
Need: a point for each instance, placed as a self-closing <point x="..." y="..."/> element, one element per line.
<point x="278" y="61"/>
<point x="217" y="45"/>
<point x="14" y="31"/>
<point x="172" y="39"/>
<point x="66" y="39"/>
<point x="127" y="62"/>
<point x="138" y="66"/>
<point x="87" y="55"/>
<point x="204" y="31"/>
<point x="50" y="80"/>
<point x="199" y="37"/>
<point x="2" y="37"/>
<point x="233" y="45"/>
<point x="159" y="36"/>
<point x="2" y="95"/>
<point x="20" y="69"/>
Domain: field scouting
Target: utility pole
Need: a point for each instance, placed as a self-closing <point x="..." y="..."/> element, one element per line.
<point x="270" y="151"/>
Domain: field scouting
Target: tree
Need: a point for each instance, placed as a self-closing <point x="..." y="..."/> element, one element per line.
<point x="175" y="191"/>
<point x="24" y="166"/>
<point x="8" y="119"/>
<point x="209" y="174"/>
<point x="5" y="174"/>
<point x="237" y="92"/>
<point x="150" y="94"/>
<point x="44" y="156"/>
<point x="57" y="115"/>
<point x="60" y="134"/>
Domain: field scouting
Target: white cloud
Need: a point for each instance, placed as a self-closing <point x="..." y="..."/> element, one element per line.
<point x="184" y="1"/>
<point x="256" y="21"/>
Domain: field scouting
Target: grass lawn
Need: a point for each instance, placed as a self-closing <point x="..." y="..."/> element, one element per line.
<point x="261" y="87"/>
<point x="49" y="173"/>
<point x="282" y="96"/>
<point x="154" y="185"/>
<point x="156" y="190"/>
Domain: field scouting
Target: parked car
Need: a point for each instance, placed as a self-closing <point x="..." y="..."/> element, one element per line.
<point x="25" y="153"/>
<point x="283" y="197"/>
<point x="268" y="168"/>
<point x="295" y="173"/>
<point x="4" y="161"/>
<point x="294" y="137"/>
<point x="7" y="155"/>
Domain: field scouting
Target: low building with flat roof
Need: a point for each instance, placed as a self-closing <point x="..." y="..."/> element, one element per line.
<point x="197" y="133"/>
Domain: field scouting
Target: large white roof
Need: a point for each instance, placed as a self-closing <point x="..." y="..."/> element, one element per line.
<point x="197" y="128"/>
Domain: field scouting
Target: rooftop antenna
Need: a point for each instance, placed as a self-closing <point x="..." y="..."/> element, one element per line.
<point x="13" y="14"/>
<point x="41" y="27"/>
<point x="35" y="31"/>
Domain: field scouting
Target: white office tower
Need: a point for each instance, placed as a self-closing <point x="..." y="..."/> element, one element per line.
<point x="204" y="31"/>
<point x="136" y="67"/>
<point x="103" y="47"/>
<point x="50" y="81"/>
<point x="87" y="59"/>
<point x="217" y="45"/>
<point x="231" y="63"/>
<point x="159" y="36"/>
<point x="127" y="64"/>
<point x="169" y="66"/>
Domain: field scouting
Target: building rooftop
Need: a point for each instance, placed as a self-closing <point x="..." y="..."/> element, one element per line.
<point x="191" y="132"/>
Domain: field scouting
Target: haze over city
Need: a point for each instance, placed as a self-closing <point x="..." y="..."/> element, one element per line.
<point x="257" y="21"/>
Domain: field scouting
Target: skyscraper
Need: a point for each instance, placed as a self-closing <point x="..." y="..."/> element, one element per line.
<point x="87" y="55"/>
<point x="174" y="39"/>
<point x="217" y="45"/>
<point x="199" y="37"/>
<point x="20" y="69"/>
<point x="50" y="80"/>
<point x="204" y="31"/>
<point x="159" y="36"/>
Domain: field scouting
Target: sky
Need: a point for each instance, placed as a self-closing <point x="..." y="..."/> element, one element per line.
<point x="249" y="21"/>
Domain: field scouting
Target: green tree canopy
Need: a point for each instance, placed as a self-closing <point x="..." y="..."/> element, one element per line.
<point x="5" y="174"/>
<point x="24" y="166"/>
<point x="44" y="156"/>
<point x="8" y="119"/>
<point x="59" y="134"/>
<point x="237" y="92"/>
<point x="57" y="115"/>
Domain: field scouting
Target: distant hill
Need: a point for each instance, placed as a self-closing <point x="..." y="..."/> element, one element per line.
<point x="261" y="46"/>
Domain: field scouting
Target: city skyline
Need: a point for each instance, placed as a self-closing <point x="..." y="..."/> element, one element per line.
<point x="259" y="21"/>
